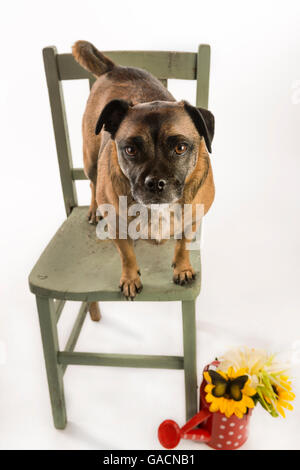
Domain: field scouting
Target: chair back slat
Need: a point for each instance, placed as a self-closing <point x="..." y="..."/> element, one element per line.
<point x="60" y="126"/>
<point x="203" y="69"/>
<point x="180" y="65"/>
<point x="163" y="64"/>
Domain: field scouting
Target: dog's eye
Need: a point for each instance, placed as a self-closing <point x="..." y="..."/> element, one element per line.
<point x="180" y="149"/>
<point x="130" y="150"/>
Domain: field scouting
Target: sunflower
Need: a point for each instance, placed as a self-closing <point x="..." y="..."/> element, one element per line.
<point x="240" y="388"/>
<point x="282" y="394"/>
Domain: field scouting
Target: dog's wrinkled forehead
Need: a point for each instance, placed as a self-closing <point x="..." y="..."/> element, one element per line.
<point x="157" y="119"/>
<point x="120" y="117"/>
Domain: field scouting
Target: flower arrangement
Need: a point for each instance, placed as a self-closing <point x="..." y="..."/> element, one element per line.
<point x="244" y="377"/>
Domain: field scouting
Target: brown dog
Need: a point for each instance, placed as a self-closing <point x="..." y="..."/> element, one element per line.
<point x="141" y="143"/>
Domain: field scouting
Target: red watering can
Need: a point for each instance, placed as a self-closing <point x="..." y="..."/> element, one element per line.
<point x="215" y="429"/>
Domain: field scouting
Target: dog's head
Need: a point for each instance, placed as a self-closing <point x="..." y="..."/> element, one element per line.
<point x="158" y="145"/>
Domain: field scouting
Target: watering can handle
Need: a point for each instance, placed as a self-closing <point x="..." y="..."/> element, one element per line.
<point x="214" y="363"/>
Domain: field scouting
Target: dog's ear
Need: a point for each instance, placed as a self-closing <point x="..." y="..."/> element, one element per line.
<point x="204" y="122"/>
<point x="112" y="116"/>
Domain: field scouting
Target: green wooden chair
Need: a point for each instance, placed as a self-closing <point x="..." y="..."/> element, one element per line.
<point x="71" y="266"/>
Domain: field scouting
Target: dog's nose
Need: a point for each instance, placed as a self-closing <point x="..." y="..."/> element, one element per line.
<point x="154" y="184"/>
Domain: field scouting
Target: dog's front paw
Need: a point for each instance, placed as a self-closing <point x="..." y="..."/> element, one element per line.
<point x="130" y="284"/>
<point x="183" y="274"/>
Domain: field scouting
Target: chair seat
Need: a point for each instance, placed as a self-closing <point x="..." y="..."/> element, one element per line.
<point x="76" y="265"/>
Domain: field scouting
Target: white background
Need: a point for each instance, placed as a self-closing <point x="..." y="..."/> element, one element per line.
<point x="250" y="292"/>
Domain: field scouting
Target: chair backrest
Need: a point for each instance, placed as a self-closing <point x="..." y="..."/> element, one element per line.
<point x="162" y="64"/>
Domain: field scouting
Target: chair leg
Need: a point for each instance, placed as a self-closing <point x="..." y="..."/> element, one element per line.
<point x="189" y="351"/>
<point x="94" y="311"/>
<point x="48" y="327"/>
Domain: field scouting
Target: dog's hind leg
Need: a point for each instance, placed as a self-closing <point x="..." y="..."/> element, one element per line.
<point x="90" y="168"/>
<point x="95" y="311"/>
<point x="92" y="213"/>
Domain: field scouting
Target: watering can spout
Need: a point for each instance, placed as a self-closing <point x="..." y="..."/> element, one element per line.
<point x="170" y="434"/>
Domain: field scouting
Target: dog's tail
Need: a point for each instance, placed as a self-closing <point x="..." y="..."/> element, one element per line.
<point x="91" y="59"/>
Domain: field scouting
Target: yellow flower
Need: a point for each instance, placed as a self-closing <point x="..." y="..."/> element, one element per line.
<point x="266" y="375"/>
<point x="225" y="404"/>
<point x="283" y="395"/>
